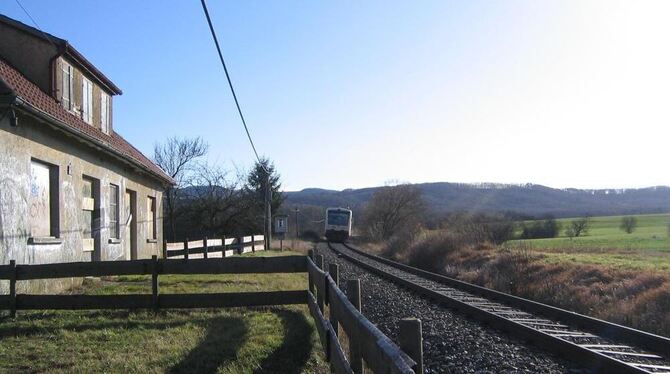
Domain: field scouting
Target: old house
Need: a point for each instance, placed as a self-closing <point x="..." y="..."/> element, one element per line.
<point x="71" y="188"/>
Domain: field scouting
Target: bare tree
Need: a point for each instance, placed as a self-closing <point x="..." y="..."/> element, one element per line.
<point x="215" y="202"/>
<point x="628" y="224"/>
<point x="177" y="157"/>
<point x="393" y="208"/>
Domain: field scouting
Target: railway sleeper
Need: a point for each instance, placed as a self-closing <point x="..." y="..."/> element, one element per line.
<point x="562" y="341"/>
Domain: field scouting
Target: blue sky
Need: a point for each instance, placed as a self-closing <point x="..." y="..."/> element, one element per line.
<point x="353" y="94"/>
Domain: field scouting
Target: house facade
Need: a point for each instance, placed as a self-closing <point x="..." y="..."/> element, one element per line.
<point x="71" y="188"/>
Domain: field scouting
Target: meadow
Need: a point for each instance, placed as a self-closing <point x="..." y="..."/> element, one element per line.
<point x="647" y="247"/>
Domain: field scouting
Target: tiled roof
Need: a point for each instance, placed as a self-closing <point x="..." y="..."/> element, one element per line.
<point x="31" y="94"/>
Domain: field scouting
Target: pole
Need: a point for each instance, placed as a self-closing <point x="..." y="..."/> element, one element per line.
<point x="296" y="222"/>
<point x="268" y="212"/>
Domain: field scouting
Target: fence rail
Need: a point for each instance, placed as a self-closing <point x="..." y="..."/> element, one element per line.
<point x="214" y="247"/>
<point x="154" y="267"/>
<point x="367" y="343"/>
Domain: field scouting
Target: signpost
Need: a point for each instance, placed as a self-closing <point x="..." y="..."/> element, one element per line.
<point x="281" y="228"/>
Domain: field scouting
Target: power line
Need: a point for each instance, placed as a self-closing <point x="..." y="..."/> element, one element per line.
<point x="230" y="83"/>
<point x="35" y="24"/>
<point x="268" y="188"/>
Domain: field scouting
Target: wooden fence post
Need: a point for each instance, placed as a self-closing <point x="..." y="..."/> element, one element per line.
<point x="411" y="342"/>
<point x="355" y="356"/>
<point x="321" y="288"/>
<point x="334" y="272"/>
<point x="223" y="246"/>
<point x="240" y="245"/>
<point x="186" y="249"/>
<point x="253" y="243"/>
<point x="12" y="288"/>
<point x="204" y="247"/>
<point x="310" y="280"/>
<point x="165" y="249"/>
<point x="154" y="282"/>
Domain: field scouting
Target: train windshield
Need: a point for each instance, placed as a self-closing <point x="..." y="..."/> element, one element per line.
<point x="338" y="218"/>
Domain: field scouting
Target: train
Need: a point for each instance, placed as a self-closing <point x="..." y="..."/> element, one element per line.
<point x="338" y="224"/>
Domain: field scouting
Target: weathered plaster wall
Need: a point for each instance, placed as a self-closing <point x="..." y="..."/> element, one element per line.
<point x="33" y="139"/>
<point x="31" y="55"/>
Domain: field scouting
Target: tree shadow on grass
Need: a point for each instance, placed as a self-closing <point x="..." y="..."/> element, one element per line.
<point x="224" y="337"/>
<point x="294" y="352"/>
<point x="35" y="324"/>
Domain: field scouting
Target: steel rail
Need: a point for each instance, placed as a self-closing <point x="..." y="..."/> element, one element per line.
<point x="599" y="349"/>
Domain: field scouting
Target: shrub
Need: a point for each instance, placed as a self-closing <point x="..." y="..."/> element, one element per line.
<point x="431" y="253"/>
<point x="310" y="235"/>
<point x="546" y="228"/>
<point x="628" y="224"/>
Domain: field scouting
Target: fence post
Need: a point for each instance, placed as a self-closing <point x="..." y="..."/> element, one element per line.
<point x="411" y="342"/>
<point x="310" y="280"/>
<point x="154" y="282"/>
<point x="334" y="272"/>
<point x="186" y="249"/>
<point x="355" y="356"/>
<point x="223" y="246"/>
<point x="165" y="249"/>
<point x="12" y="288"/>
<point x="321" y="291"/>
<point x="204" y="247"/>
<point x="240" y="245"/>
<point x="253" y="243"/>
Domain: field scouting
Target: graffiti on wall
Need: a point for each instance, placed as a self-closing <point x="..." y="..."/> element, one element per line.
<point x="40" y="207"/>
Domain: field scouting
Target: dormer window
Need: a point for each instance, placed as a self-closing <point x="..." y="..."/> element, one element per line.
<point x="87" y="101"/>
<point x="104" y="112"/>
<point x="66" y="85"/>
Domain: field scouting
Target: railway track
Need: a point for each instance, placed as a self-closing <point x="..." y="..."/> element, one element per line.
<point x="598" y="345"/>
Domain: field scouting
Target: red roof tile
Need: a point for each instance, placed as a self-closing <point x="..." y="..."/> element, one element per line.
<point x="41" y="101"/>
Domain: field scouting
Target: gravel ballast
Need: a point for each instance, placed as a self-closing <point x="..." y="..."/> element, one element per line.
<point x="452" y="342"/>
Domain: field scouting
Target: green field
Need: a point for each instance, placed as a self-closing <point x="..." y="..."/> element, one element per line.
<point x="648" y="247"/>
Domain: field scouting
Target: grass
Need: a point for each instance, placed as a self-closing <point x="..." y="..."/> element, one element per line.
<point x="647" y="248"/>
<point x="239" y="340"/>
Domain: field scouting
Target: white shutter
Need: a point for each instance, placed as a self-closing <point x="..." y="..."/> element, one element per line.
<point x="104" y="112"/>
<point x="66" y="85"/>
<point x="87" y="100"/>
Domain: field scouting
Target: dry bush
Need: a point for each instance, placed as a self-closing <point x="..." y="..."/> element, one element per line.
<point x="431" y="252"/>
<point x="637" y="299"/>
<point x="293" y="244"/>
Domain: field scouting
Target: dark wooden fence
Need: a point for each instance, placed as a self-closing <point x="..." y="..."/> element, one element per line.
<point x="153" y="267"/>
<point x="366" y="343"/>
<point x="213" y="247"/>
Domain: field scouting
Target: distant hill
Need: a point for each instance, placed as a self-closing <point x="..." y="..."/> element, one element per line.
<point x="529" y="199"/>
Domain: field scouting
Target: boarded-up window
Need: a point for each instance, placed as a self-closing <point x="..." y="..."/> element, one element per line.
<point x="41" y="204"/>
<point x="88" y="213"/>
<point x="113" y="211"/>
<point x="66" y="85"/>
<point x="151" y="217"/>
<point x="87" y="101"/>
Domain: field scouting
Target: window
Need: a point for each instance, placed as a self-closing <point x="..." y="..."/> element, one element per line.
<point x="113" y="211"/>
<point x="66" y="85"/>
<point x="151" y="218"/>
<point x="90" y="201"/>
<point x="43" y="200"/>
<point x="87" y="100"/>
<point x="104" y="112"/>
